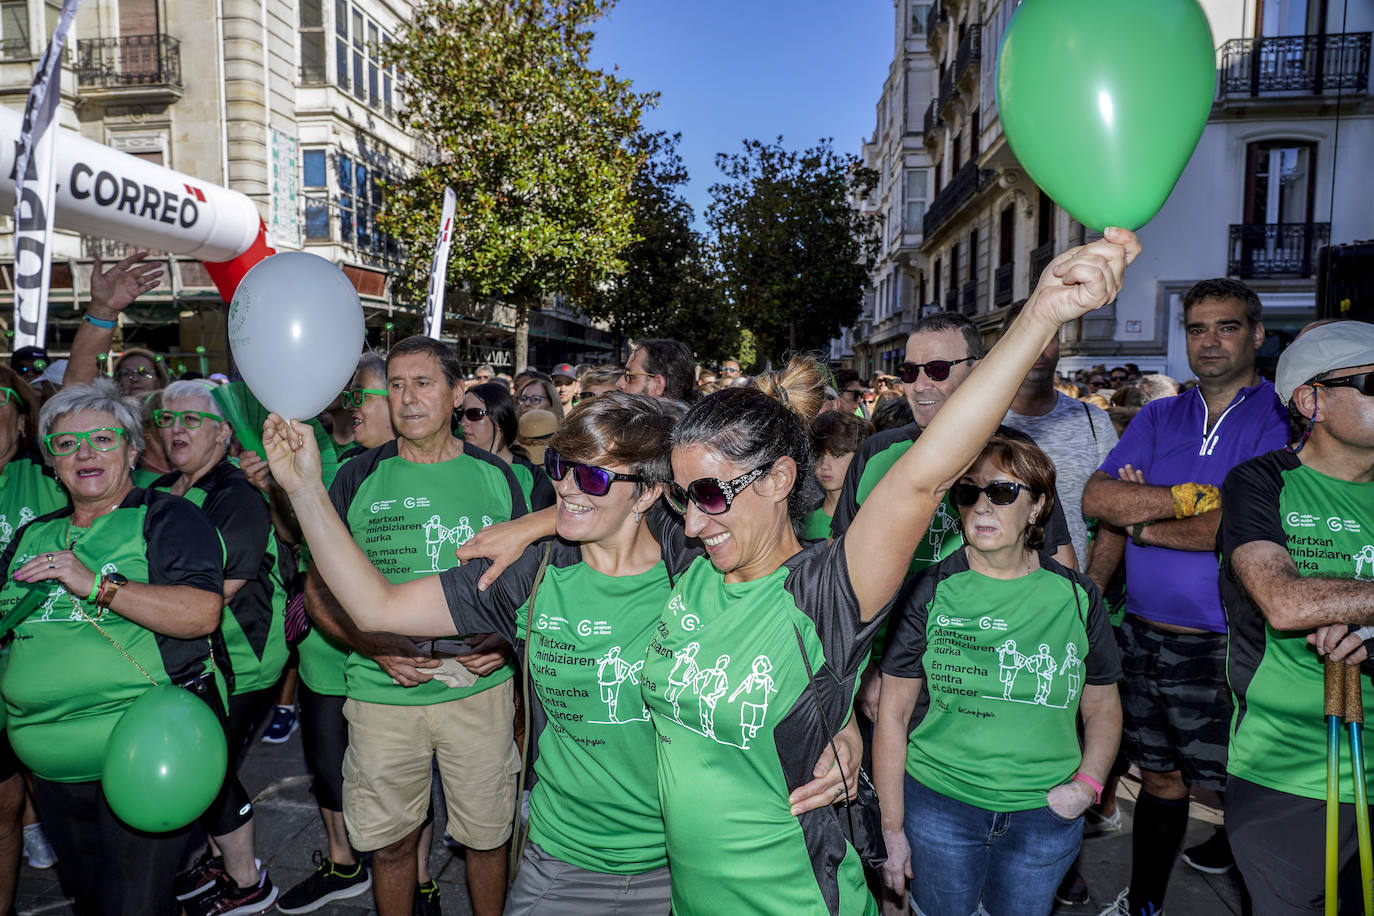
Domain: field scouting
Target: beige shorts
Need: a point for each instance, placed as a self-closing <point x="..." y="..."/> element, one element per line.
<point x="386" y="769"/>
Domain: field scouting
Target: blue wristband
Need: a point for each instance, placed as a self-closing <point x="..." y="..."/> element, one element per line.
<point x="99" y="322"/>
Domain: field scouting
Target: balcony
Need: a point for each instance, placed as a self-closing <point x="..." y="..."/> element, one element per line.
<point x="968" y="296"/>
<point x="1295" y="64"/>
<point x="946" y="91"/>
<point x="1275" y="250"/>
<point x="970" y="50"/>
<point x="932" y="118"/>
<point x="937" y="17"/>
<point x="1001" y="284"/>
<point x="965" y="183"/>
<point x="952" y="300"/>
<point x="1040" y="258"/>
<point x="141" y="66"/>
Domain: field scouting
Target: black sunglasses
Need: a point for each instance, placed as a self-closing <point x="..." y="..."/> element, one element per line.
<point x="1363" y="383"/>
<point x="590" y="479"/>
<point x="474" y="414"/>
<point x="937" y="370"/>
<point x="1000" y="492"/>
<point x="711" y="494"/>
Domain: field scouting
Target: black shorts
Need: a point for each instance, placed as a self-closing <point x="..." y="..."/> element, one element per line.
<point x="1279" y="841"/>
<point x="1175" y="702"/>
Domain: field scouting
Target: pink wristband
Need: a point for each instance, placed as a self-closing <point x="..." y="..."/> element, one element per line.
<point x="1092" y="784"/>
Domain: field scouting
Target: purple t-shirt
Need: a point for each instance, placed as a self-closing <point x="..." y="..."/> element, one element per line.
<point x="1168" y="443"/>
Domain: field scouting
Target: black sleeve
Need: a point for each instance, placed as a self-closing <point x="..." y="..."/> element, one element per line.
<point x="183" y="544"/>
<point x="1103" y="664"/>
<point x="818" y="581"/>
<point x="494" y="610"/>
<point x="1057" y="529"/>
<point x="904" y="655"/>
<point x="239" y="511"/>
<point x="848" y="505"/>
<point x="1250" y="504"/>
<point x="678" y="550"/>
<point x="542" y="494"/>
<point x="351" y="476"/>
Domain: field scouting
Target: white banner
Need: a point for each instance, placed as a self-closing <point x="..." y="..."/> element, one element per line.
<point x="34" y="175"/>
<point x="438" y="269"/>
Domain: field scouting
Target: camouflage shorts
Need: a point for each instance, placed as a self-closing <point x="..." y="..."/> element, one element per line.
<point x="1175" y="702"/>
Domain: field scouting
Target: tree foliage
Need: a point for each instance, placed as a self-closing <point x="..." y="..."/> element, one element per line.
<point x="794" y="252"/>
<point x="668" y="288"/>
<point x="533" y="140"/>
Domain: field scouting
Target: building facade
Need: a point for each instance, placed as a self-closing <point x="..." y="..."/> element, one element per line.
<point x="1291" y="125"/>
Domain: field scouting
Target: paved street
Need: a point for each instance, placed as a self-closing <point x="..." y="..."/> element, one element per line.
<point x="289" y="830"/>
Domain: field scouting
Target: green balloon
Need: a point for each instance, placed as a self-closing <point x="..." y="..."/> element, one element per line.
<point x="165" y="760"/>
<point x="1103" y="101"/>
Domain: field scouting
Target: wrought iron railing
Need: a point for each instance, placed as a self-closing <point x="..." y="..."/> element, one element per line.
<point x="946" y="90"/>
<point x="129" y="60"/>
<point x="1259" y="250"/>
<point x="932" y="118"/>
<point x="937" y="15"/>
<point x="1295" y="63"/>
<point x="970" y="50"/>
<point x="969" y="297"/>
<point x="954" y="195"/>
<point x="1040" y="258"/>
<point x="1001" y="283"/>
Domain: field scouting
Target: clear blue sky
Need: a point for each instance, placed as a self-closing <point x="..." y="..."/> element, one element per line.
<point x="728" y="70"/>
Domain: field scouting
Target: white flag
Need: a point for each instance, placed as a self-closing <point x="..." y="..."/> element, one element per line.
<point x="438" y="269"/>
<point x="34" y="190"/>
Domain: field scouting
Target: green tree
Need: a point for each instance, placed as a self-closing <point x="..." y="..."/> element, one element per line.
<point x="668" y="288"/>
<point x="533" y="140"/>
<point x="794" y="251"/>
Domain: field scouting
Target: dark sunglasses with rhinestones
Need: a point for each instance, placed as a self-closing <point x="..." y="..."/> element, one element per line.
<point x="1363" y="383"/>
<point x="590" y="479"/>
<point x="1000" y="492"/>
<point x="937" y="370"/>
<point x="712" y="495"/>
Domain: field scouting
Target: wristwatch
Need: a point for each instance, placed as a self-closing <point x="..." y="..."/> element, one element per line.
<point x="109" y="584"/>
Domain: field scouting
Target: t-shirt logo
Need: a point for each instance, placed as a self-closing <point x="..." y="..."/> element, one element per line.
<point x="437" y="534"/>
<point x="1043" y="666"/>
<point x="709" y="686"/>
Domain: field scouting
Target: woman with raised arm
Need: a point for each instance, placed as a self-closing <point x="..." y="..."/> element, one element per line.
<point x="596" y="831"/>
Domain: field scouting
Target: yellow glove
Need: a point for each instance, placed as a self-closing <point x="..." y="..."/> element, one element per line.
<point x="1194" y="499"/>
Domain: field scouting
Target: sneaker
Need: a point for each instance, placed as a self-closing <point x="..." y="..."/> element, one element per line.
<point x="228" y="899"/>
<point x="330" y="882"/>
<point x="427" y="899"/>
<point x="37" y="849"/>
<point x="1095" y="823"/>
<point x="1073" y="890"/>
<point x="207" y="872"/>
<point x="1213" y="856"/>
<point x="282" y="725"/>
<point x="1121" y="906"/>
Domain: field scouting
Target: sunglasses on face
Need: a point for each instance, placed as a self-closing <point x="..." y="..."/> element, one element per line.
<point x="729" y="370"/>
<point x="104" y="439"/>
<point x="126" y="375"/>
<point x="590" y="479"/>
<point x="1000" y="493"/>
<point x="474" y="414"/>
<point x="1363" y="383"/>
<point x="189" y="419"/>
<point x="354" y="397"/>
<point x="937" y="370"/>
<point x="35" y="368"/>
<point x="852" y="393"/>
<point x="711" y="494"/>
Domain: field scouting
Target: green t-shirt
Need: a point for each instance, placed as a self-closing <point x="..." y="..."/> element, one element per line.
<point x="253" y="626"/>
<point x="66" y="685"/>
<point x="595" y="802"/>
<point x="817" y="527"/>
<point x="408" y="518"/>
<point x="1327" y="526"/>
<point x="1005" y="662"/>
<point x="28" y="489"/>
<point x="738" y="730"/>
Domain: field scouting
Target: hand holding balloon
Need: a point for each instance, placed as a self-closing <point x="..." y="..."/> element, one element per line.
<point x="292" y="453"/>
<point x="1084" y="278"/>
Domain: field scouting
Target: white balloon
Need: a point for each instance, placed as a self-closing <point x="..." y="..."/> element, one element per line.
<point x="296" y="329"/>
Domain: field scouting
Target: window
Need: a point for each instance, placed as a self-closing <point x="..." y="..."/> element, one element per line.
<point x="14" y="28"/>
<point x="345" y="167"/>
<point x="373" y="47"/>
<point x="1044" y="224"/>
<point x="359" y="87"/>
<point x="973" y="256"/>
<point x="919" y="13"/>
<point x="916" y="198"/>
<point x="1278" y="181"/>
<point x="315" y="185"/>
<point x="341" y="43"/>
<point x="312" y="41"/>
<point x="386" y="79"/>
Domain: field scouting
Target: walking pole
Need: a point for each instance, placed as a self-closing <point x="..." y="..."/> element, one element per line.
<point x="1335" y="708"/>
<point x="1354" y="719"/>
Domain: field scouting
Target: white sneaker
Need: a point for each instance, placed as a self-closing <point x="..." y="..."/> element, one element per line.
<point x="1121" y="906"/>
<point x="37" y="849"/>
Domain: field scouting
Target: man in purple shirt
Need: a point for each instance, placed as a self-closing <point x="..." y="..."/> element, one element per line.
<point x="1161" y="484"/>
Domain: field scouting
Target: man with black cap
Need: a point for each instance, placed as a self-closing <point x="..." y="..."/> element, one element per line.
<point x="30" y="362"/>
<point x="1297" y="576"/>
<point x="565" y="382"/>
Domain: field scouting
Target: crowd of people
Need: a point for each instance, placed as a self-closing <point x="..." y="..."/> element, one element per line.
<point x="650" y="624"/>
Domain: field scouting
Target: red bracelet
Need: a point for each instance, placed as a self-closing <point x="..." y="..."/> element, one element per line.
<point x="1092" y="784"/>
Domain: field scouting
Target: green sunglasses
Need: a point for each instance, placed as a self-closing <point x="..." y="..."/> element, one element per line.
<point x="104" y="439"/>
<point x="354" y="397"/>
<point x="190" y="419"/>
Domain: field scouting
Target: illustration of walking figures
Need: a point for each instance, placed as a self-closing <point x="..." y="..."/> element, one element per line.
<point x="712" y="686"/>
<point x="755" y="688"/>
<point x="1011" y="662"/>
<point x="1365" y="556"/>
<point x="436" y="534"/>
<point x="684" y="672"/>
<point x="611" y="671"/>
<point x="1042" y="663"/>
<point x="1072" y="668"/>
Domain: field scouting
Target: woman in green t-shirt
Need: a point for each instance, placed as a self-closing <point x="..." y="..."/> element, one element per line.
<point x="835" y="436"/>
<point x="490" y="421"/>
<point x="983" y="802"/>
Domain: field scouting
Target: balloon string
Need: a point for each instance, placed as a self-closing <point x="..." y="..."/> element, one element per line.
<point x="91" y="620"/>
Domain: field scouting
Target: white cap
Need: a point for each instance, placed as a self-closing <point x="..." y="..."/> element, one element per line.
<point x="1327" y="347"/>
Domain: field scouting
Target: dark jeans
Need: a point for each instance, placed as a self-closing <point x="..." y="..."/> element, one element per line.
<point x="109" y="868"/>
<point x="961" y="855"/>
